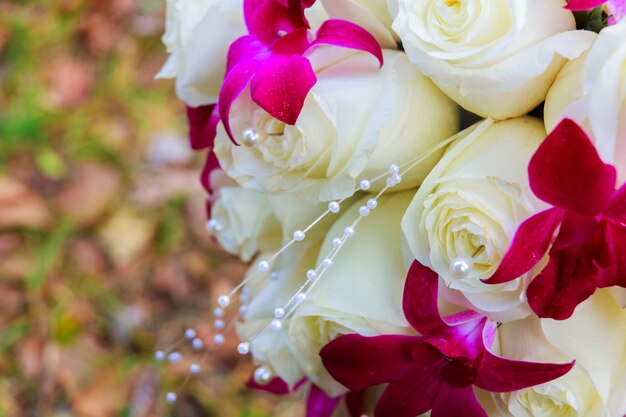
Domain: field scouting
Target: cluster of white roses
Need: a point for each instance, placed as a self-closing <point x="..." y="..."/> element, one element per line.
<point x="498" y="59"/>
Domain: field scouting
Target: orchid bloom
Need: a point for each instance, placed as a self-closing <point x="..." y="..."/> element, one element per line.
<point x="318" y="403"/>
<point x="203" y="122"/>
<point x="437" y="370"/>
<point x="589" y="250"/>
<point x="272" y="58"/>
<point x="617" y="8"/>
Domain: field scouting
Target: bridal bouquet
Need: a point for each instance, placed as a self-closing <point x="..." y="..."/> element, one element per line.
<point x="430" y="193"/>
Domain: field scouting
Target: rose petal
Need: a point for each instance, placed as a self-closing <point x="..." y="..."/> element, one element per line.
<point x="583" y="4"/>
<point x="571" y="276"/>
<point x="419" y="301"/>
<point x="234" y="83"/>
<point x="530" y="243"/>
<point x="348" y="35"/>
<point x="359" y="362"/>
<point x="202" y="126"/>
<point x="412" y="395"/>
<point x="457" y="401"/>
<point x="318" y="404"/>
<point x="281" y="85"/>
<point x="498" y="374"/>
<point x="567" y="172"/>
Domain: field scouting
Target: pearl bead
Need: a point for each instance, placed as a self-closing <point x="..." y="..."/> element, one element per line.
<point x="274" y="276"/>
<point x="243" y="309"/>
<point x="174" y="357"/>
<point x="276" y="325"/>
<point x="250" y="137"/>
<point x="246" y="289"/>
<point x="197" y="344"/>
<point x="298" y="236"/>
<point x="372" y="204"/>
<point x="243" y="348"/>
<point x="327" y="263"/>
<point x="219" y="324"/>
<point x="244" y="298"/>
<point x="159" y="355"/>
<point x="349" y="231"/>
<point x="461" y="267"/>
<point x="264" y="266"/>
<point x="390" y="182"/>
<point x="219" y="339"/>
<point x="311" y="274"/>
<point x="365" y="185"/>
<point x="213" y="226"/>
<point x="194" y="368"/>
<point x="334" y="207"/>
<point x="364" y="211"/>
<point x="279" y="312"/>
<point x="336" y="242"/>
<point x="223" y="300"/>
<point x="301" y="297"/>
<point x="190" y="334"/>
<point x="394" y="169"/>
<point x="262" y="375"/>
<point x="170" y="397"/>
<point x="218" y="312"/>
<point x="397" y="178"/>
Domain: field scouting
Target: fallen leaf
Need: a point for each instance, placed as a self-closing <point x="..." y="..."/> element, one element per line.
<point x="88" y="193"/>
<point x="21" y="206"/>
<point x="126" y="235"/>
<point x="69" y="81"/>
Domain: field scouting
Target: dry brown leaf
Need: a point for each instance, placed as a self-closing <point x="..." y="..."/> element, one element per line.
<point x="21" y="206"/>
<point x="30" y="355"/>
<point x="69" y="81"/>
<point x="126" y="235"/>
<point x="88" y="193"/>
<point x="103" y="397"/>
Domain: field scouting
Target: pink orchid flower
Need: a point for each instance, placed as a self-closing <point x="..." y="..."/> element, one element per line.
<point x="589" y="250"/>
<point x="272" y="58"/>
<point x="318" y="403"/>
<point x="203" y="122"/>
<point x="437" y="370"/>
<point x="617" y="8"/>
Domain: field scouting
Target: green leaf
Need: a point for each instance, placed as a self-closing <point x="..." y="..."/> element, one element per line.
<point x="596" y="20"/>
<point x="49" y="254"/>
<point x="51" y="164"/>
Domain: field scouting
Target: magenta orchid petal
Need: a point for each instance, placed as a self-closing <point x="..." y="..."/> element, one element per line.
<point x="583" y="4"/>
<point x="419" y="301"/>
<point x="359" y="362"/>
<point x="530" y="243"/>
<point x="571" y="276"/>
<point x="617" y="208"/>
<point x="354" y="403"/>
<point x="211" y="164"/>
<point x="463" y="340"/>
<point x="348" y="35"/>
<point x="576" y="229"/>
<point x="616" y="254"/>
<point x="276" y="386"/>
<point x="618" y="10"/>
<point x="267" y="19"/>
<point x="457" y="401"/>
<point x="567" y="172"/>
<point x="412" y="395"/>
<point x="281" y="85"/>
<point x="234" y="83"/>
<point x="243" y="49"/>
<point x="202" y="126"/>
<point x="498" y="374"/>
<point x="319" y="404"/>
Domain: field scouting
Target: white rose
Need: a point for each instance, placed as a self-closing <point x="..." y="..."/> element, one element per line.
<point x="356" y="121"/>
<point x="197" y="36"/>
<point x="496" y="58"/>
<point x="595" y="336"/>
<point x="572" y="395"/>
<point x="372" y="15"/>
<point x="469" y="208"/>
<point x="361" y="292"/>
<point x="244" y="222"/>
<point x="274" y="349"/>
<point x="592" y="91"/>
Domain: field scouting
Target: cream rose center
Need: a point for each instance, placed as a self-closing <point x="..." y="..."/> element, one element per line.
<point x="548" y="401"/>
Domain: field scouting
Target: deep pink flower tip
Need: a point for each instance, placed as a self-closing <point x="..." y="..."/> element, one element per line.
<point x="437" y="370"/>
<point x="272" y="57"/>
<point x="587" y="218"/>
<point x="617" y="8"/>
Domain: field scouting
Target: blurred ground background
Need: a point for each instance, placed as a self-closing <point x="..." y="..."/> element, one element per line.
<point x="103" y="253"/>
